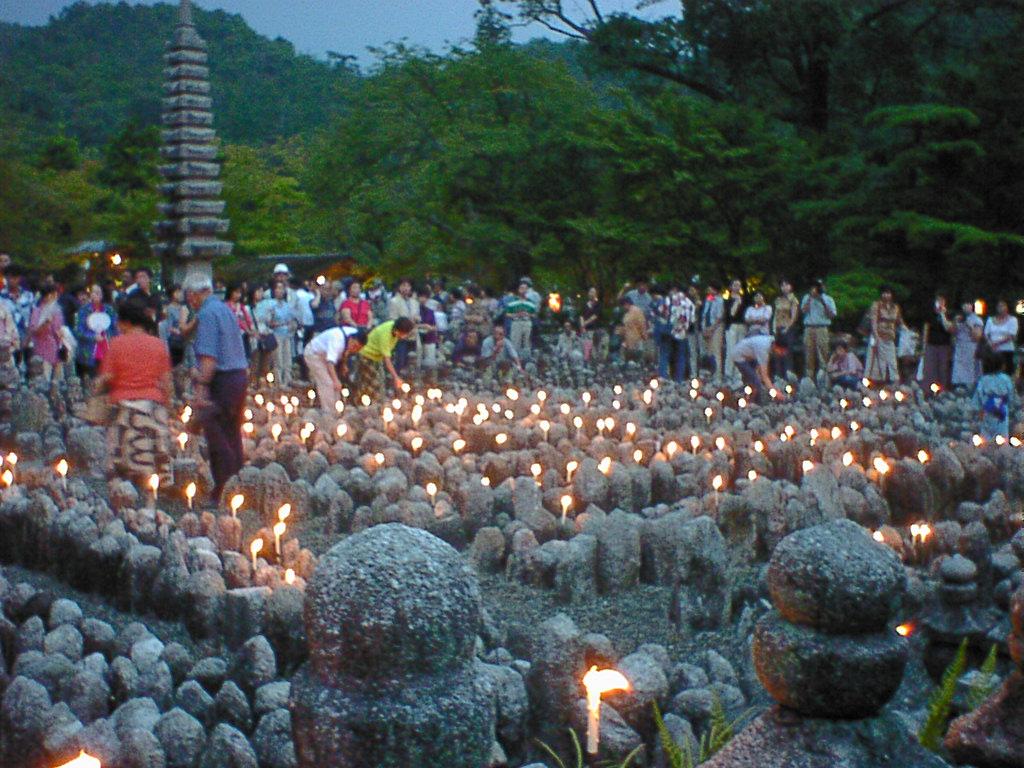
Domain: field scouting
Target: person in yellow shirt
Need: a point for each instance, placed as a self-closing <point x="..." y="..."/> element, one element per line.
<point x="380" y="344"/>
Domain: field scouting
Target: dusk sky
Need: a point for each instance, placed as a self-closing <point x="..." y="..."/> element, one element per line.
<point x="345" y="26"/>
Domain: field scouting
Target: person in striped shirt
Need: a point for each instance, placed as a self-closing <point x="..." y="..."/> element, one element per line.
<point x="521" y="311"/>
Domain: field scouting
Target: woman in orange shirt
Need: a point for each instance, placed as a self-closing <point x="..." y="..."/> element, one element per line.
<point x="136" y="375"/>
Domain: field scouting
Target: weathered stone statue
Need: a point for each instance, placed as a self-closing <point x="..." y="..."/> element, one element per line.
<point x="392" y="616"/>
<point x="828" y="657"/>
<point x="189" y="233"/>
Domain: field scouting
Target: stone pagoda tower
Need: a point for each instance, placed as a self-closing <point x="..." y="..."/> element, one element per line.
<point x="189" y="232"/>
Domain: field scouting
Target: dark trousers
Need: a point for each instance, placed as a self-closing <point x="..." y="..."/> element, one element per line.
<point x="222" y="425"/>
<point x="401" y="356"/>
<point x="673" y="354"/>
<point x="782" y="364"/>
<point x="748" y="372"/>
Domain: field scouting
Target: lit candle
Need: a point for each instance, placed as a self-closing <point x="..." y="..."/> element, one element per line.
<point x="236" y="504"/>
<point x="7" y="477"/>
<point x="416" y="444"/>
<point x="571" y="467"/>
<point x="341" y="430"/>
<point x="923" y="456"/>
<point x="62" y="470"/>
<point x="671" y="448"/>
<point x="279" y="528"/>
<point x="283" y="511"/>
<point x="694" y="444"/>
<point x="432" y="491"/>
<point x="255" y="548"/>
<point x="182" y="440"/>
<point x="458" y="445"/>
<point x="535" y="470"/>
<point x="807" y="466"/>
<point x="275" y="432"/>
<point x="566" y="505"/>
<point x="190" y="493"/>
<point x="752" y="475"/>
<point x="605" y="465"/>
<point x="544" y="427"/>
<point x="638" y="456"/>
<point x="720" y="443"/>
<point x="847" y="459"/>
<point x="82" y="761"/>
<point x="597" y="683"/>
<point x="154" y="486"/>
<point x="289" y="576"/>
<point x="501" y="438"/>
<point x="586" y="398"/>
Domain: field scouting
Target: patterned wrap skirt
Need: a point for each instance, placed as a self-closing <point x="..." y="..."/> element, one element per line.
<point x="138" y="441"/>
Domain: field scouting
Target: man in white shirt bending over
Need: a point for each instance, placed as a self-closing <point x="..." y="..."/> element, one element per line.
<point x="324" y="355"/>
<point x="752" y="358"/>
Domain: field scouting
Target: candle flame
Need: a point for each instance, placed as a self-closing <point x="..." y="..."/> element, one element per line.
<point x="237" y="501"/>
<point x="83" y="760"/>
<point x="501" y="438"/>
<point x="555" y="302"/>
<point x="905" y="630"/>
<point x="256" y="547"/>
<point x="432" y="490"/>
<point x="8" y="478"/>
<point x="62" y="467"/>
<point x="877" y="536"/>
<point x="671" y="448"/>
<point x="379" y="458"/>
<point x="279" y="528"/>
<point x="601" y="681"/>
<point x="566" y="503"/>
<point x="717" y="483"/>
<point x="638" y="456"/>
<point x="847" y="459"/>
<point x="923" y="456"/>
<point x="275" y="431"/>
<point x="190" y="491"/>
<point x="881" y="465"/>
<point x="416" y="443"/>
<point x="752" y="475"/>
<point x="458" y="445"/>
<point x="283" y="511"/>
<point x="720" y="443"/>
<point x="605" y="465"/>
<point x="807" y="466"/>
<point x="289" y="576"/>
<point x="154" y="482"/>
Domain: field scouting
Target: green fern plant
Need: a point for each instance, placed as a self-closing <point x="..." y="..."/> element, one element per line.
<point x="940" y="703"/>
<point x="577" y="759"/>
<point x="985" y="681"/>
<point x="719" y="733"/>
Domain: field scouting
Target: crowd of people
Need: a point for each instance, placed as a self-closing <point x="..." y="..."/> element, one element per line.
<point x="345" y="336"/>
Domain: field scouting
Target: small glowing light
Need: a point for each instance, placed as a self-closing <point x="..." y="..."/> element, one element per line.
<point x="759" y="446"/>
<point x="508" y="414"/>
<point x="717" y="483"/>
<point x="923" y="456"/>
<point x="881" y="465"/>
<point x="865" y="382"/>
<point x="566" y="502"/>
<point x="877" y="536"/>
<point x="341" y="430"/>
<point x="182" y="440"/>
<point x="501" y="438"/>
<point x="630" y="428"/>
<point x="320" y="279"/>
<point x="899" y="397"/>
<point x="85" y="760"/>
<point x="236" y="503"/>
<point x="789" y="430"/>
<point x="7" y="477"/>
<point x="284" y="511"/>
<point x="365" y="400"/>
<point x="258" y="399"/>
<point x="773" y="393"/>
<point x="511" y="394"/>
<point x="847" y="459"/>
<point x="807" y="466"/>
<point x="671" y="448"/>
<point x="270" y="378"/>
<point x="577" y="422"/>
<point x="586" y="397"/>
<point x="720" y="396"/>
<point x="752" y="475"/>
<point x="154" y="483"/>
<point x="616" y="404"/>
<point x="190" y="493"/>
<point x="854" y="426"/>
<point x="935" y="389"/>
<point x="458" y="445"/>
<point x="406" y="389"/>
<point x="783" y="438"/>
<point x="62" y="468"/>
<point x="279" y="529"/>
<point x="653" y="383"/>
<point x="648" y="397"/>
<point x="431" y="491"/>
<point x="638" y="456"/>
<point x="1015" y="441"/>
<point x="867" y="402"/>
<point x="617" y="389"/>
<point x="836" y="433"/>
<point x="416" y="443"/>
<point x="693" y="394"/>
<point x="742" y="402"/>
<point x="1000" y="440"/>
<point x="311" y="394"/>
<point x="275" y="432"/>
<point x="694" y="443"/>
<point x="289" y="576"/>
<point x="978" y="441"/>
<point x="605" y="465"/>
<point x="844" y="404"/>
<point x="708" y="413"/>
<point x="379" y="458"/>
<point x="544" y="427"/>
<point x="485" y="482"/>
<point x="883" y="395"/>
<point x="542" y="395"/>
<point x="905" y="630"/>
<point x="271" y="407"/>
<point x="536" y="470"/>
<point x="535" y="409"/>
<point x="254" y="549"/>
<point x="571" y="467"/>
<point x="564" y="408"/>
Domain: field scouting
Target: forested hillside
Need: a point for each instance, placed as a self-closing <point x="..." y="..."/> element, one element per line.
<point x="94" y="66"/>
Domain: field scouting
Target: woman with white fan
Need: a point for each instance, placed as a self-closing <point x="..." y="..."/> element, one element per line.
<point x="95" y="325"/>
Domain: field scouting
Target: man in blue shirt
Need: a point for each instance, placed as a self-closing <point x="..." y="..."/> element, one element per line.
<point x="221" y="378"/>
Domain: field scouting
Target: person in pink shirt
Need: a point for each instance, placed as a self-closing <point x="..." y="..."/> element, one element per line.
<point x="44" y="327"/>
<point x="844" y="369"/>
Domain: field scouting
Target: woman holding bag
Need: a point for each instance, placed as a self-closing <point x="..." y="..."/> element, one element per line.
<point x="44" y="328"/>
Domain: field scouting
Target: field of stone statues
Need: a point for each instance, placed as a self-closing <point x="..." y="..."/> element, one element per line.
<point x="427" y="581"/>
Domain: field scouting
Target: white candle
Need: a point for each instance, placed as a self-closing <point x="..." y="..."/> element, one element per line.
<point x="190" y="493"/>
<point x="254" y="549"/>
<point x="278" y="533"/>
<point x="598" y="682"/>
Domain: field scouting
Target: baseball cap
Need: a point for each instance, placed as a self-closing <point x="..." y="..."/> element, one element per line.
<point x="281" y="268"/>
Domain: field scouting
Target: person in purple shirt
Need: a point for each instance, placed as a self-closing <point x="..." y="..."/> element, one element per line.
<point x="221" y="377"/>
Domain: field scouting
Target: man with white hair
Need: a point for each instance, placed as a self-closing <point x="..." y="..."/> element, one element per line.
<point x="221" y="378"/>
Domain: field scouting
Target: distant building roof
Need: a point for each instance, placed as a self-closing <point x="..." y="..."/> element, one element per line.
<point x="92" y="246"/>
<point x="305" y="256"/>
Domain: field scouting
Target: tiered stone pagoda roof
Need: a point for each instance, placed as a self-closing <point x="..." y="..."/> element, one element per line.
<point x="191" y="226"/>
